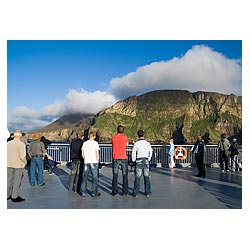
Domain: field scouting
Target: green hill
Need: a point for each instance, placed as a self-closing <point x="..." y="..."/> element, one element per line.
<point x="163" y="114"/>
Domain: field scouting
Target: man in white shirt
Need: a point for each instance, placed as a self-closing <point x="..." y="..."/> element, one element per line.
<point x="16" y="161"/>
<point x="142" y="153"/>
<point x="90" y="154"/>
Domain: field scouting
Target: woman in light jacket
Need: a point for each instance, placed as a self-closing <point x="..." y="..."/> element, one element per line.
<point x="171" y="163"/>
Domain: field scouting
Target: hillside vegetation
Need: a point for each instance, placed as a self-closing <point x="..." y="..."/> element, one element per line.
<point x="161" y="114"/>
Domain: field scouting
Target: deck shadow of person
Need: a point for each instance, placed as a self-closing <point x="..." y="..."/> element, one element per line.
<point x="105" y="183"/>
<point x="62" y="175"/>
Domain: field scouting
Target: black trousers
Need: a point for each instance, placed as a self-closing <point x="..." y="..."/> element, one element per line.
<point x="200" y="164"/>
<point x="46" y="164"/>
<point x="224" y="161"/>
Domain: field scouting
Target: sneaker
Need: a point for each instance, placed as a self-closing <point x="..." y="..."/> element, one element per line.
<point x="135" y="195"/>
<point x="147" y="195"/>
<point x="50" y="173"/>
<point x="222" y="171"/>
<point x="41" y="185"/>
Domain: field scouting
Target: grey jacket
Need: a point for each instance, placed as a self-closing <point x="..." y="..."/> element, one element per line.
<point x="224" y="145"/>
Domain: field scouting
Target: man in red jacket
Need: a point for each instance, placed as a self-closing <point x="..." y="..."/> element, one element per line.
<point x="120" y="159"/>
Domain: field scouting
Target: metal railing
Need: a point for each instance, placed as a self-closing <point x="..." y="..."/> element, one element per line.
<point x="61" y="152"/>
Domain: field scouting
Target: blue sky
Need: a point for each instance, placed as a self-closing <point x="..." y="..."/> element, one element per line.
<point x="47" y="79"/>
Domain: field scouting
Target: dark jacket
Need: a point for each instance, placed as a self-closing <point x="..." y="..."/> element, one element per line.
<point x="199" y="148"/>
<point x="76" y="149"/>
<point x="45" y="141"/>
<point x="10" y="139"/>
<point x="233" y="149"/>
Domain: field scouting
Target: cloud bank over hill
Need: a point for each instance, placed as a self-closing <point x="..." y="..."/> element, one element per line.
<point x="76" y="101"/>
<point x="200" y="68"/>
<point x="79" y="101"/>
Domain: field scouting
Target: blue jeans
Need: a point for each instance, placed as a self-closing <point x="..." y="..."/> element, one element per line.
<point x="93" y="167"/>
<point x="142" y="166"/>
<point x="36" y="166"/>
<point x="123" y="163"/>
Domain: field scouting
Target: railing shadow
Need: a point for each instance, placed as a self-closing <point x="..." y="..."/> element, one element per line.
<point x="104" y="181"/>
<point x="105" y="184"/>
<point x="226" y="187"/>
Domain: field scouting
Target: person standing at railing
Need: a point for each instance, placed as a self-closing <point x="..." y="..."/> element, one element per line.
<point x="36" y="153"/>
<point x="224" y="153"/>
<point x="120" y="159"/>
<point x="16" y="161"/>
<point x="24" y="139"/>
<point x="141" y="154"/>
<point x="171" y="163"/>
<point x="76" y="161"/>
<point x="199" y="150"/>
<point x="47" y="165"/>
<point x="90" y="154"/>
<point x="234" y="155"/>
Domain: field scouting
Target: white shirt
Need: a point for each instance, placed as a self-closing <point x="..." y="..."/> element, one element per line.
<point x="90" y="150"/>
<point x="142" y="150"/>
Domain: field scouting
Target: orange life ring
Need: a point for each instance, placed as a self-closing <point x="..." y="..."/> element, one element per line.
<point x="180" y="153"/>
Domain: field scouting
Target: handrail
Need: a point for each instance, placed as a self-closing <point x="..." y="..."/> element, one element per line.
<point x="61" y="152"/>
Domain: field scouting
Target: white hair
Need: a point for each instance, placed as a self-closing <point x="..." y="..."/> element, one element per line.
<point x="17" y="133"/>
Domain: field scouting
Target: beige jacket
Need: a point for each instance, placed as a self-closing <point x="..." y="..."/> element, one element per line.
<point x="16" y="154"/>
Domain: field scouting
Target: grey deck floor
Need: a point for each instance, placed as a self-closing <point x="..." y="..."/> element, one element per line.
<point x="171" y="189"/>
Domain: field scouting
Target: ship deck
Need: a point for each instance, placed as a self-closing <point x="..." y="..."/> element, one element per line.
<point x="177" y="188"/>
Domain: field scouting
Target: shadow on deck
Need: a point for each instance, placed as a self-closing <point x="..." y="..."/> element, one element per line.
<point x="171" y="189"/>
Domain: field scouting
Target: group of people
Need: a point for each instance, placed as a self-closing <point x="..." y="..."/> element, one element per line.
<point x="228" y="154"/>
<point x="19" y="153"/>
<point x="86" y="154"/>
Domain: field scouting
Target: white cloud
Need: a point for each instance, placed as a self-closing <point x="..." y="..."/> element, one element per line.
<point x="200" y="68"/>
<point x="53" y="110"/>
<point x="76" y="101"/>
<point x="25" y="124"/>
<point x="88" y="102"/>
<point x="79" y="101"/>
<point x="22" y="111"/>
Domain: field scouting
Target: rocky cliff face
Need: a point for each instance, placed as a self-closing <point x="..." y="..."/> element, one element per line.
<point x="162" y="114"/>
